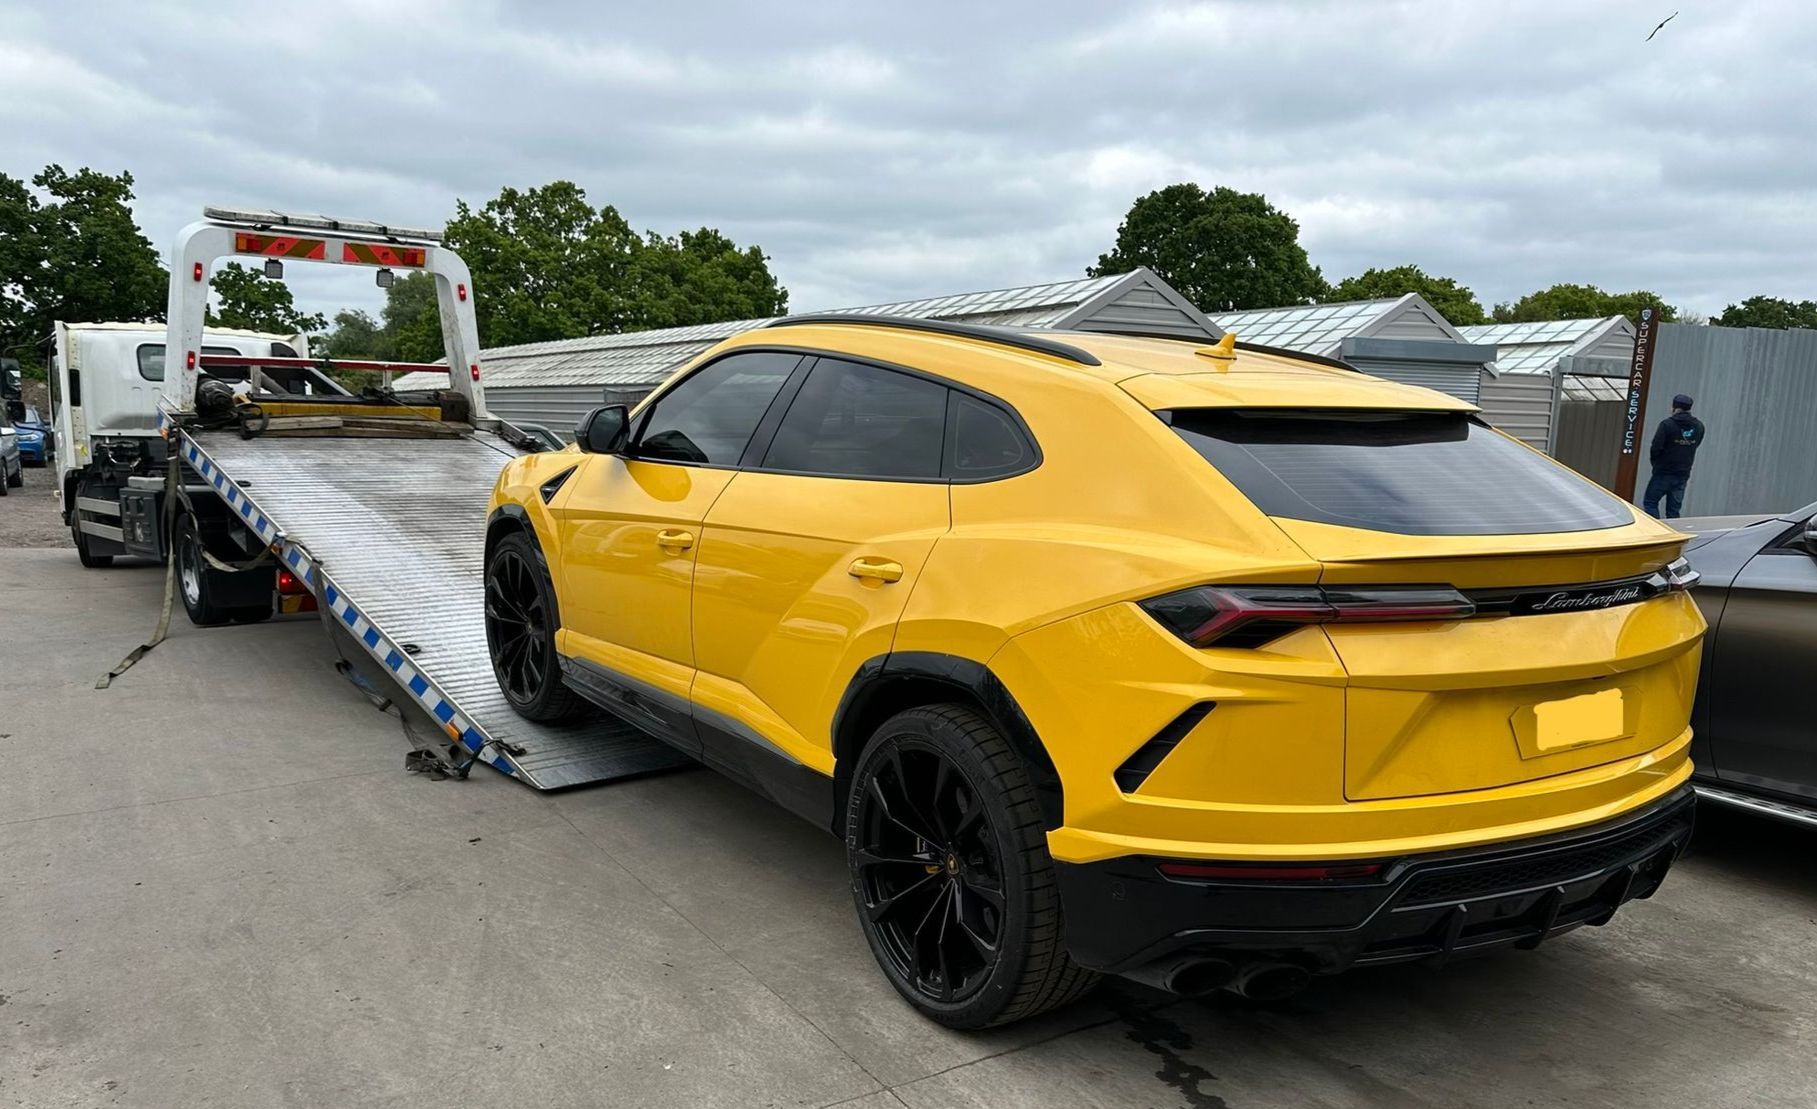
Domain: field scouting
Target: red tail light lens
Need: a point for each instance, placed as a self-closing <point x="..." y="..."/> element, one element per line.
<point x="1249" y="616"/>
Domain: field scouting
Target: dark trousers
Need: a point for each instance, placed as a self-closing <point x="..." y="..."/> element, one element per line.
<point x="1669" y="486"/>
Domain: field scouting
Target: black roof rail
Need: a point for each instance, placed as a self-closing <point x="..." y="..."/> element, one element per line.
<point x="1001" y="335"/>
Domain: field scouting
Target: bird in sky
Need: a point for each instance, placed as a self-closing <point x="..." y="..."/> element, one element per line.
<point x="1662" y="23"/>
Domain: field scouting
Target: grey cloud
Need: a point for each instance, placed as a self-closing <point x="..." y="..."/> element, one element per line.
<point x="882" y="153"/>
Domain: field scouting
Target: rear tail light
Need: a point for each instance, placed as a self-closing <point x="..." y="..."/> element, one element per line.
<point x="1249" y="616"/>
<point x="290" y="584"/>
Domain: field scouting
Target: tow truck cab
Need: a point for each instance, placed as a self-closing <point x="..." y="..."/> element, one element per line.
<point x="105" y="382"/>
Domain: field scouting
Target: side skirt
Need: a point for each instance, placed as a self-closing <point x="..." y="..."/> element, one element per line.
<point x="720" y="741"/>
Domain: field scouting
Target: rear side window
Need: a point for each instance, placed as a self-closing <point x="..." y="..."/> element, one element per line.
<point x="986" y="441"/>
<point x="853" y="420"/>
<point x="1414" y="473"/>
<point x="708" y="418"/>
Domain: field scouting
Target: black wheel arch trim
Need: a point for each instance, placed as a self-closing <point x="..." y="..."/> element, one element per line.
<point x="507" y="519"/>
<point x="871" y="685"/>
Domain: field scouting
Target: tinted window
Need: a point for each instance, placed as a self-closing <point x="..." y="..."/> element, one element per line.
<point x="862" y="421"/>
<point x="1416" y="473"/>
<point x="986" y="442"/>
<point x="709" y="417"/>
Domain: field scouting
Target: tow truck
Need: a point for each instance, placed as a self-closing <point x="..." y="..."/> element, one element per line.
<point x="264" y="475"/>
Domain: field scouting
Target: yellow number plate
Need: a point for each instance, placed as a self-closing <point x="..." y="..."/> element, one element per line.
<point x="1579" y="721"/>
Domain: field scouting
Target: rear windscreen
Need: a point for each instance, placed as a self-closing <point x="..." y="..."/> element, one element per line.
<point x="1415" y="473"/>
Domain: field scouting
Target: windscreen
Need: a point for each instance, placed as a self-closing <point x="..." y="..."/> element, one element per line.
<point x="1415" y="473"/>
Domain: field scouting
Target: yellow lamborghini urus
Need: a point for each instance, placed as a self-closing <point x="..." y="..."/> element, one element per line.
<point x="1212" y="666"/>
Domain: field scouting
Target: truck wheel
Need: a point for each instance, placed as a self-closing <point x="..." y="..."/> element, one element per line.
<point x="89" y="558"/>
<point x="520" y="632"/>
<point x="192" y="577"/>
<point x="950" y="872"/>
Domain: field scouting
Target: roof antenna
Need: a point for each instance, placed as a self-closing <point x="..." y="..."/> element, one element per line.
<point x="1225" y="350"/>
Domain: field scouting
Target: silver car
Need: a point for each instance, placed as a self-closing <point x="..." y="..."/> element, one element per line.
<point x="1756" y="746"/>
<point x="12" y="466"/>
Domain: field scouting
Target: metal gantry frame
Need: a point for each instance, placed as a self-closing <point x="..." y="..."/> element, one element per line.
<point x="255" y="233"/>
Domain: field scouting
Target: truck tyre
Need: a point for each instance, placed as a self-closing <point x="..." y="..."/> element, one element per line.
<point x="520" y="632"/>
<point x="950" y="872"/>
<point x="192" y="576"/>
<point x="89" y="559"/>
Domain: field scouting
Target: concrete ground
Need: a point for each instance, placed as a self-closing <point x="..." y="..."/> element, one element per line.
<point x="219" y="888"/>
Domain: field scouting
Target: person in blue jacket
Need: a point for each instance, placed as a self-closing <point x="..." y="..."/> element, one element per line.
<point x="1674" y="449"/>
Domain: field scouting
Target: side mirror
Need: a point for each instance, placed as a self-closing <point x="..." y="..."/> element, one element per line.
<point x="603" y="430"/>
<point x="1808" y="537"/>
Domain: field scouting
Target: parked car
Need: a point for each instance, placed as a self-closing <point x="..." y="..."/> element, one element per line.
<point x="34" y="438"/>
<point x="12" y="467"/>
<point x="1756" y="745"/>
<point x="1215" y="666"/>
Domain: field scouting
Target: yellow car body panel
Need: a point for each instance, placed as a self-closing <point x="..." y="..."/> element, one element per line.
<point x="1322" y="743"/>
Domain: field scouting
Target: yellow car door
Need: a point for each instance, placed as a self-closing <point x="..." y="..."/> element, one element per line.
<point x="807" y="560"/>
<point x="629" y="527"/>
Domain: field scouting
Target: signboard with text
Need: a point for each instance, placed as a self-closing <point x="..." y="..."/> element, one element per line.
<point x="1640" y="375"/>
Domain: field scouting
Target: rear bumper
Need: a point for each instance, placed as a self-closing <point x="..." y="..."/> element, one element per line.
<point x="1123" y="915"/>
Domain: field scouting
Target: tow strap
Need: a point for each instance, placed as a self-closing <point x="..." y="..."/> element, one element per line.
<point x="422" y="758"/>
<point x="170" y="586"/>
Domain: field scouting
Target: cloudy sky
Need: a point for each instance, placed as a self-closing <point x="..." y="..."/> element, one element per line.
<point x="883" y="151"/>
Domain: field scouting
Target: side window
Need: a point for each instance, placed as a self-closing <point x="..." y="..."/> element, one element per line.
<point x="709" y="418"/>
<point x="151" y="361"/>
<point x="853" y="420"/>
<point x="986" y="442"/>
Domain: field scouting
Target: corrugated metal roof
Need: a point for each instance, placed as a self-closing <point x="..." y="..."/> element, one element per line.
<point x="1027" y="306"/>
<point x="1535" y="348"/>
<point x="647" y="357"/>
<point x="1313" y="328"/>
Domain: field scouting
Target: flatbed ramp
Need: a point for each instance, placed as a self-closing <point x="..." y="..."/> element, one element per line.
<point x="391" y="535"/>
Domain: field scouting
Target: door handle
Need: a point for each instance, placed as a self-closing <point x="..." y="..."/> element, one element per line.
<point x="876" y="569"/>
<point x="673" y="537"/>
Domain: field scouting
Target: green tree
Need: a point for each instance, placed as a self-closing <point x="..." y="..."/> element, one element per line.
<point x="70" y="251"/>
<point x="1454" y="301"/>
<point x="1580" y="302"/>
<point x="1764" y="311"/>
<point x="355" y="334"/>
<point x="255" y="302"/>
<point x="1223" y="250"/>
<point x="548" y="265"/>
<point x="413" y="319"/>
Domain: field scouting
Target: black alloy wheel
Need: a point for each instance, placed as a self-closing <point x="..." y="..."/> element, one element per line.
<point x="950" y="872"/>
<point x="520" y="632"/>
<point x="929" y="870"/>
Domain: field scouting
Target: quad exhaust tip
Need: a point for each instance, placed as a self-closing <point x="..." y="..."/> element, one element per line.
<point x="1197" y="976"/>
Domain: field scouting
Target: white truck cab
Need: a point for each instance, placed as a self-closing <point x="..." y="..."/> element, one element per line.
<point x="106" y="381"/>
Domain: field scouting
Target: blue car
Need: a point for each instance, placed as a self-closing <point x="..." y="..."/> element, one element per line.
<point x="34" y="438"/>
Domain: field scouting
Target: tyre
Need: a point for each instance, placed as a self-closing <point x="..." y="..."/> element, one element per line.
<point x="520" y="632"/>
<point x="6" y="485"/>
<point x="18" y="476"/>
<point x="84" y="552"/>
<point x="950" y="873"/>
<point x="192" y="577"/>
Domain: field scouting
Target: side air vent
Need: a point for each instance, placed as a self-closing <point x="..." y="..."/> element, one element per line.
<point x="1136" y="769"/>
<point x="553" y="486"/>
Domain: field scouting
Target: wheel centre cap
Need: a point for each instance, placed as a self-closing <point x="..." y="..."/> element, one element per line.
<point x="952" y="863"/>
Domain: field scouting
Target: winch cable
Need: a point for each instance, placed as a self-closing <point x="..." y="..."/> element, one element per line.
<point x="172" y="487"/>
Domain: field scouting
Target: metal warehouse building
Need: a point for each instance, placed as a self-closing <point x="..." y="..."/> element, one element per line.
<point x="556" y="383"/>
<point x="1570" y="377"/>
